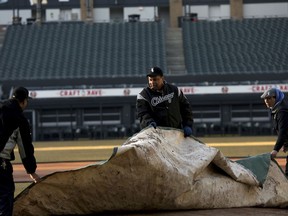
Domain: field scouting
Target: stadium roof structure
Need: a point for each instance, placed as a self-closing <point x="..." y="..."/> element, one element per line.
<point x="24" y="4"/>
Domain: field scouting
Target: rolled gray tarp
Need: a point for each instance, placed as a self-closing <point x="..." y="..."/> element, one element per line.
<point x="158" y="169"/>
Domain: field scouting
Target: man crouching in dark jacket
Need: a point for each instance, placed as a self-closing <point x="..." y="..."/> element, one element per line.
<point x="163" y="104"/>
<point x="14" y="130"/>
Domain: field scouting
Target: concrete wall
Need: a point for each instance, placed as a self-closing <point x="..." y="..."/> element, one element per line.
<point x="6" y="16"/>
<point x="262" y="10"/>
<point x="101" y="15"/>
<point x="146" y="13"/>
<point x="214" y="12"/>
<point x="52" y="15"/>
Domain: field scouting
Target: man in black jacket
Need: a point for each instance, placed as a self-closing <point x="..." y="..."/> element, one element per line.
<point x="14" y="130"/>
<point x="274" y="100"/>
<point x="163" y="104"/>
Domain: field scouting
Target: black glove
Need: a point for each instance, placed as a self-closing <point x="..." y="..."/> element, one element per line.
<point x="153" y="124"/>
<point x="187" y="131"/>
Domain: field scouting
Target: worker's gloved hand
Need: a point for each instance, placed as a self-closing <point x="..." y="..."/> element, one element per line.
<point x="153" y="124"/>
<point x="35" y="177"/>
<point x="285" y="149"/>
<point x="273" y="154"/>
<point x="187" y="131"/>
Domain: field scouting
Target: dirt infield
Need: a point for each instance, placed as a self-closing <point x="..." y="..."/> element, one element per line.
<point x="48" y="168"/>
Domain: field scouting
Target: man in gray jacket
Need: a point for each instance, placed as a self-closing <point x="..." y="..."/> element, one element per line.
<point x="163" y="104"/>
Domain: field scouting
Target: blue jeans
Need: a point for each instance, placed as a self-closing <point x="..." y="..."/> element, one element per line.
<point x="7" y="188"/>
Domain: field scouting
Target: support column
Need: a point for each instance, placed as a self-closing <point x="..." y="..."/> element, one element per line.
<point x="86" y="10"/>
<point x="38" y="12"/>
<point x="236" y="9"/>
<point x="175" y="10"/>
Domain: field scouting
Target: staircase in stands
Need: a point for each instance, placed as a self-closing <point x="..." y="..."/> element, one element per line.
<point x="174" y="51"/>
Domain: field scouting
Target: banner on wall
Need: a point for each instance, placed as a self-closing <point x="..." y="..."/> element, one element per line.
<point x="123" y="92"/>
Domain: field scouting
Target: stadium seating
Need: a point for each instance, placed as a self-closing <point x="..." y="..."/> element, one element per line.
<point x="81" y="50"/>
<point x="237" y="47"/>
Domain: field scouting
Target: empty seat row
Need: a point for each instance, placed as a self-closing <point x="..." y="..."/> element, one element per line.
<point x="228" y="46"/>
<point x="75" y="50"/>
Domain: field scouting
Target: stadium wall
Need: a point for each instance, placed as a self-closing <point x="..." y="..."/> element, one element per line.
<point x="97" y="114"/>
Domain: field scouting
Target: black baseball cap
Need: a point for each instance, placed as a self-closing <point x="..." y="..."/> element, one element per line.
<point x="21" y="93"/>
<point x="155" y="71"/>
<point x="269" y="93"/>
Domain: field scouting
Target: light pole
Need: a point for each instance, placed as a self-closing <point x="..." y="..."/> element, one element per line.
<point x="16" y="19"/>
<point x="38" y="12"/>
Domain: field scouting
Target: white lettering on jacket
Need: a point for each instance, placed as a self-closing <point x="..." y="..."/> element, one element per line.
<point x="157" y="100"/>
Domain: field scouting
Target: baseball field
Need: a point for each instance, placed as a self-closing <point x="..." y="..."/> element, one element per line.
<point x="67" y="155"/>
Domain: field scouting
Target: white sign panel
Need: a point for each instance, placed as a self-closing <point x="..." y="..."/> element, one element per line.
<point x="122" y="92"/>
